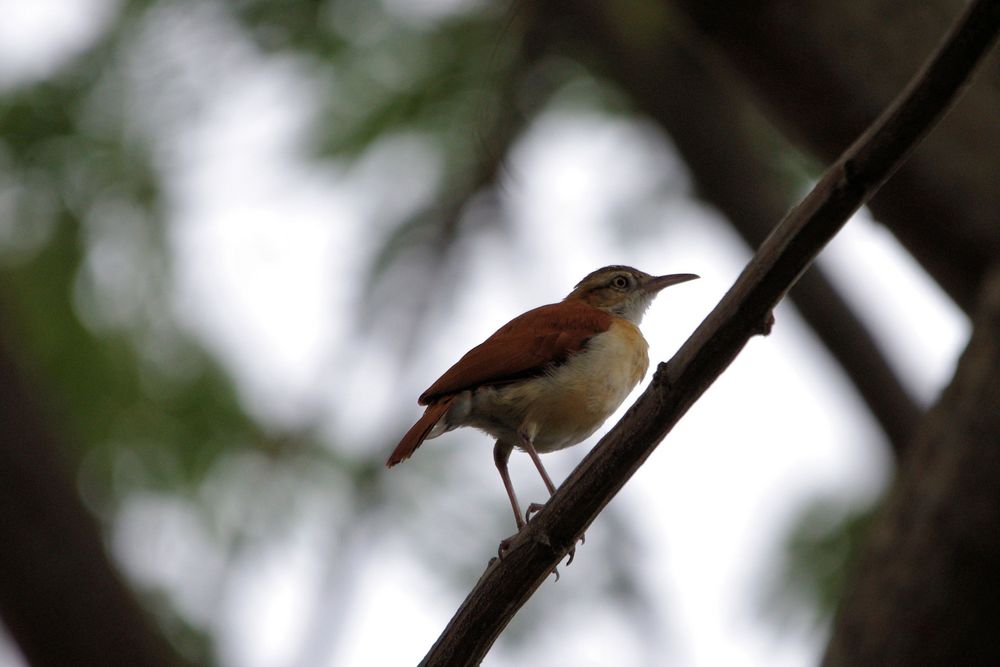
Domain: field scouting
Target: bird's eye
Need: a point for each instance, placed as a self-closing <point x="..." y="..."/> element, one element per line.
<point x="619" y="282"/>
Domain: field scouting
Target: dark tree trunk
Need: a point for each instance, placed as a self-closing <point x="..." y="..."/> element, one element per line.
<point x="60" y="596"/>
<point x="927" y="588"/>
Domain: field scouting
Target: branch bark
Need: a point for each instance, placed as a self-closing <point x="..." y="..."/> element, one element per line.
<point x="925" y="589"/>
<point x="823" y="70"/>
<point x="726" y="145"/>
<point x="744" y="311"/>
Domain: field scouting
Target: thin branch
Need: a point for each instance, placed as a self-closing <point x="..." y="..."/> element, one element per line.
<point x="820" y="71"/>
<point x="720" y="138"/>
<point x="436" y="231"/>
<point x="744" y="311"/>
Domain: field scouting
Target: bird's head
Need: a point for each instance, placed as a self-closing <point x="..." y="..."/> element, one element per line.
<point x="624" y="291"/>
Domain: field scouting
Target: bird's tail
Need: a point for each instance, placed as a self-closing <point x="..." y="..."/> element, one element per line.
<point x="418" y="432"/>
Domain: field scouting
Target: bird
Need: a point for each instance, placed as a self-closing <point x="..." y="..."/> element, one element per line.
<point x="549" y="378"/>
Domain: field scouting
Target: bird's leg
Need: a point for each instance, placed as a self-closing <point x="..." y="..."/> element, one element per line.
<point x="501" y="454"/>
<point x="529" y="447"/>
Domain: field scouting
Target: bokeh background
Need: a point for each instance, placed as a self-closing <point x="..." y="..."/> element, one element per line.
<point x="237" y="240"/>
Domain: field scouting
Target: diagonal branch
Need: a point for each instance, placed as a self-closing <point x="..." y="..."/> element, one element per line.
<point x="823" y="71"/>
<point x="744" y="311"/>
<point x="719" y="136"/>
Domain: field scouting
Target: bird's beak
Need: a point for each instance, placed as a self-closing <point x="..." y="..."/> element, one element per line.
<point x="657" y="283"/>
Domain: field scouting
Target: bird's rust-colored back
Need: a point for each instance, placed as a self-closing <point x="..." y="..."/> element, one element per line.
<point x="523" y="348"/>
<point x="540" y="342"/>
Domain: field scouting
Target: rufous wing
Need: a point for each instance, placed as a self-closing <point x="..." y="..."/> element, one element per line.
<point x="524" y="347"/>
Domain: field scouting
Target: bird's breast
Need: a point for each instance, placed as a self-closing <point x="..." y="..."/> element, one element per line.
<point x="569" y="403"/>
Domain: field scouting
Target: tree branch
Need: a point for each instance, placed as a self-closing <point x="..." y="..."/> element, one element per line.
<point x="824" y="71"/>
<point x="745" y="310"/>
<point x="726" y="146"/>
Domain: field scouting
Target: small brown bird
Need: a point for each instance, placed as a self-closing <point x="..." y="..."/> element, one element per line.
<point x="548" y="378"/>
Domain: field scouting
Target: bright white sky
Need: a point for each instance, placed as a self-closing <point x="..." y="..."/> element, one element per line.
<point x="268" y="252"/>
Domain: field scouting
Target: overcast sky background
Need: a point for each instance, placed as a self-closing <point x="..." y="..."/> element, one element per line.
<point x="268" y="250"/>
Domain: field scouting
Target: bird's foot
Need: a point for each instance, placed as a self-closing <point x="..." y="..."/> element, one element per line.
<point x="537" y="507"/>
<point x="572" y="550"/>
<point x="506" y="544"/>
<point x="572" y="554"/>
<point x="532" y="508"/>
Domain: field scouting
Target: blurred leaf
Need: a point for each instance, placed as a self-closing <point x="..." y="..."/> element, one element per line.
<point x="147" y="410"/>
<point x="820" y="552"/>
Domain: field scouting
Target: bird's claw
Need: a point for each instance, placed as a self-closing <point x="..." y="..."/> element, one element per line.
<point x="572" y="555"/>
<point x="572" y="550"/>
<point x="508" y="542"/>
<point x="505" y="545"/>
<point x="532" y="508"/>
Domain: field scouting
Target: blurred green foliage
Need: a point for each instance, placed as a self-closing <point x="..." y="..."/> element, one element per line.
<point x="85" y="277"/>
<point x="820" y="552"/>
<point x="89" y="289"/>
